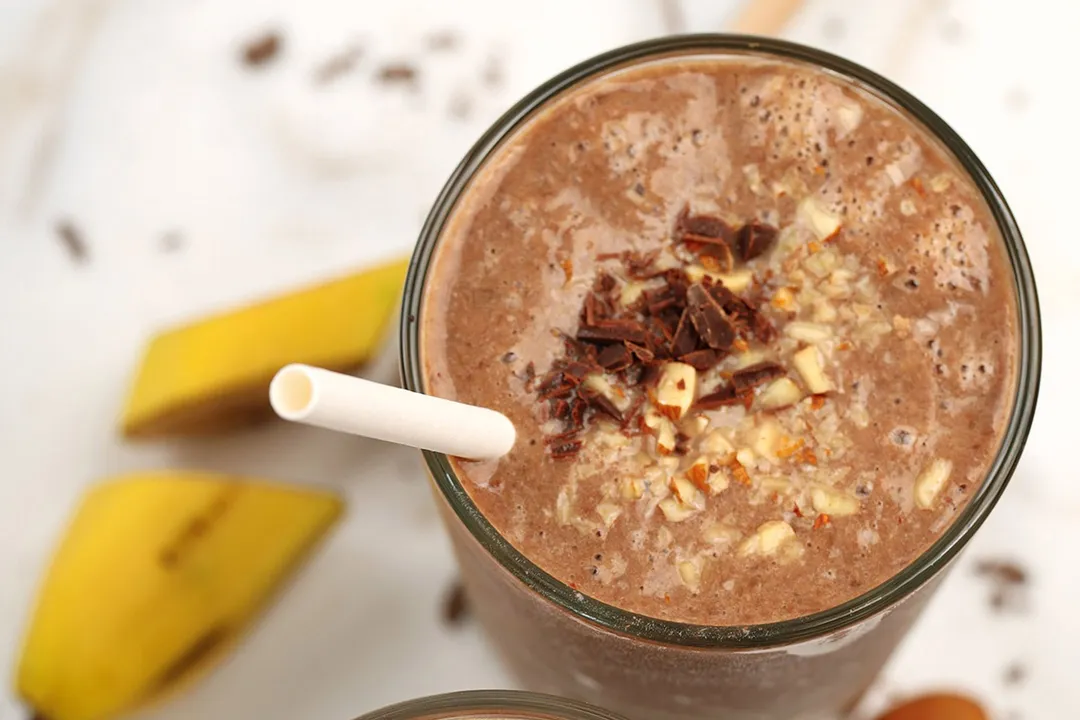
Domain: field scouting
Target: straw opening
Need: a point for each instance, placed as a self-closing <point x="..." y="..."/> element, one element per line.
<point x="292" y="393"/>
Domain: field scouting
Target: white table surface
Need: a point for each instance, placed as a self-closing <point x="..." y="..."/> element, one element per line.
<point x="135" y="120"/>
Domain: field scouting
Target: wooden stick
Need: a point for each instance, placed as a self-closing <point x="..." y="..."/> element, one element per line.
<point x="765" y="17"/>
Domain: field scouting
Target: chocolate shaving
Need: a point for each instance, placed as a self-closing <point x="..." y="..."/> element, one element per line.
<point x="700" y="360"/>
<point x="603" y="404"/>
<point x="560" y="410"/>
<point x="613" y="331"/>
<point x="763" y="329"/>
<point x="643" y="354"/>
<point x="577" y="413"/>
<point x="703" y="228"/>
<point x="698" y="324"/>
<point x="754" y="239"/>
<point x="760" y="373"/>
<point x="615" y="358"/>
<point x="558" y="391"/>
<point x="709" y="319"/>
<point x="724" y="396"/>
<point x="640" y="265"/>
<point x="565" y="450"/>
<point x="685" y="338"/>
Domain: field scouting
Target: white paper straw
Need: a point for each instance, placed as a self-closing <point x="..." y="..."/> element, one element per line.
<point x="313" y="396"/>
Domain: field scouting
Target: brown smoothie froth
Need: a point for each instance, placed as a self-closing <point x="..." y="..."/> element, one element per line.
<point x="891" y="373"/>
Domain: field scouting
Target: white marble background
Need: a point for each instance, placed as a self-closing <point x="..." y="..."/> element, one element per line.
<point x="198" y="183"/>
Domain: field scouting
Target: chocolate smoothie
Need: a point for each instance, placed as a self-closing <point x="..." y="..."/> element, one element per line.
<point x="755" y="328"/>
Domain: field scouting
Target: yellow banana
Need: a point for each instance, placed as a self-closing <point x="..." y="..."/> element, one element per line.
<point x="213" y="375"/>
<point x="158" y="574"/>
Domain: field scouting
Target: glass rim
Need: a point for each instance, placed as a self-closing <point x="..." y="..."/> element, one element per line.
<point x="500" y="704"/>
<point x="807" y="627"/>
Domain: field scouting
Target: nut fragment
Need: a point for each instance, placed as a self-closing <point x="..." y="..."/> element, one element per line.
<point x="564" y="510"/>
<point x="676" y="387"/>
<point x="720" y="534"/>
<point x="687" y="493"/>
<point x="784" y="299"/>
<point x="608" y="512"/>
<point x="630" y="293"/>
<point x="745" y="456"/>
<point x="736" y="281"/>
<point x="664" y="429"/>
<point x="690" y="573"/>
<point x="808" y="364"/>
<point x="600" y="384"/>
<point x="848" y="117"/>
<point x="824" y="312"/>
<point x="764" y="439"/>
<point x="715" y="443"/>
<point x="833" y="502"/>
<point x="931" y="481"/>
<point x="781" y="393"/>
<point x="820" y="221"/>
<point x="631" y="488"/>
<point x="807" y="332"/>
<point x="676" y="511"/>
<point x="767" y="539"/>
<point x="718" y="481"/>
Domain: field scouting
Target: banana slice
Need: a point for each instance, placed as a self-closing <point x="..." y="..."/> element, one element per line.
<point x="159" y="574"/>
<point x="212" y="376"/>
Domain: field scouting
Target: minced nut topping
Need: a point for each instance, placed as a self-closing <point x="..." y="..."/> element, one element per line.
<point x="712" y="361"/>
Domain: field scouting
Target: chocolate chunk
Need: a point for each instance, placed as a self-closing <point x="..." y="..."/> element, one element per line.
<point x="709" y="319"/>
<point x="676" y="284"/>
<point x="700" y="360"/>
<point x="605" y="283"/>
<point x="560" y="390"/>
<point x="338" y="65"/>
<point x="615" y="358"/>
<point x="72" y="241"/>
<point x="613" y="331"/>
<point x="642" y="353"/>
<point x="763" y="328"/>
<point x="455" y="605"/>
<point x="717" y="257"/>
<point x="1005" y="572"/>
<point x="758" y="374"/>
<point x="703" y="228"/>
<point x="640" y="265"/>
<point x="575" y="372"/>
<point x="262" y="49"/>
<point x="577" y="412"/>
<point x="754" y="239"/>
<point x="723" y="396"/>
<point x="565" y="450"/>
<point x="560" y="410"/>
<point x="604" y="405"/>
<point x="399" y="73"/>
<point x="685" y="339"/>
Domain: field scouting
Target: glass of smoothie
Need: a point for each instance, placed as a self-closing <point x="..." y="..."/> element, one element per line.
<point x="490" y="705"/>
<point x="770" y="339"/>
